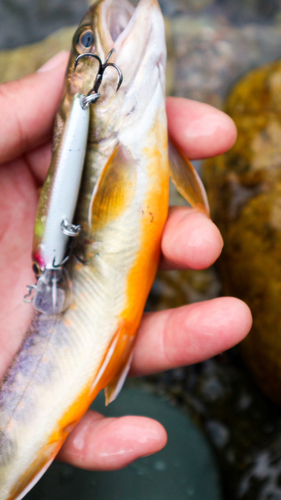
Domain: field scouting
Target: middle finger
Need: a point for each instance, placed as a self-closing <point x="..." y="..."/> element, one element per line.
<point x="190" y="240"/>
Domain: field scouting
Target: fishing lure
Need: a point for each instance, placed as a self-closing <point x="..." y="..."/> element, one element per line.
<point x="67" y="358"/>
<point x="53" y="226"/>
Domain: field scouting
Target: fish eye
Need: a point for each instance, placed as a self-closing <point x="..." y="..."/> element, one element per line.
<point x="84" y="40"/>
<point x="36" y="269"/>
<point x="87" y="39"/>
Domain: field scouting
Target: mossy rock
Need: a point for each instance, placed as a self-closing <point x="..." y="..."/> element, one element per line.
<point x="16" y="63"/>
<point x="244" y="188"/>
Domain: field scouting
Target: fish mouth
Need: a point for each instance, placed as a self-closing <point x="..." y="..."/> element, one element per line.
<point x="119" y="18"/>
<point x="118" y="15"/>
<point x="114" y="19"/>
<point x="135" y="33"/>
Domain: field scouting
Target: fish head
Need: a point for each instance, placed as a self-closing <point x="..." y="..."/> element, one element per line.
<point x="137" y="37"/>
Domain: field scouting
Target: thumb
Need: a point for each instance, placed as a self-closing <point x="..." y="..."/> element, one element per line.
<point x="28" y="107"/>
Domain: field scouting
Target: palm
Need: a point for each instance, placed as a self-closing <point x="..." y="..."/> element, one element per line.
<point x="17" y="205"/>
<point x="166" y="339"/>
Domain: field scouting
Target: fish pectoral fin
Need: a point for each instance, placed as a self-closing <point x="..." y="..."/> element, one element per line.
<point x="116" y="364"/>
<point x="115" y="188"/>
<point x="186" y="180"/>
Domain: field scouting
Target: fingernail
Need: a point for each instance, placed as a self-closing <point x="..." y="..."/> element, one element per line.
<point x="55" y="61"/>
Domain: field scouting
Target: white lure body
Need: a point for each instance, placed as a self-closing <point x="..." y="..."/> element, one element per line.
<point x="63" y="189"/>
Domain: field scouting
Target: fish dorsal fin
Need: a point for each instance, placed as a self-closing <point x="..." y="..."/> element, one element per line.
<point x="186" y="180"/>
<point x="115" y="188"/>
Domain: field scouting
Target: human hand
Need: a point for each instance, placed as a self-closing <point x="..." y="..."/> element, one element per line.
<point x="166" y="339"/>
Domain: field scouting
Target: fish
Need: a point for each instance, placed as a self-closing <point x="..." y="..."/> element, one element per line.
<point x="68" y="357"/>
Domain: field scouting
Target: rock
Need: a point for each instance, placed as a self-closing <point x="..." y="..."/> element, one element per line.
<point x="28" y="21"/>
<point x="243" y="426"/>
<point x="244" y="188"/>
<point x="16" y="63"/>
<point x="208" y="54"/>
<point x="238" y="12"/>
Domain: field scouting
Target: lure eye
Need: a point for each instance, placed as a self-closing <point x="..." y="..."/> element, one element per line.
<point x="36" y="269"/>
<point x="85" y="40"/>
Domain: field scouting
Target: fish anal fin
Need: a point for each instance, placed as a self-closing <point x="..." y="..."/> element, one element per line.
<point x="115" y="365"/>
<point x="186" y="180"/>
<point x="112" y="390"/>
<point x="115" y="188"/>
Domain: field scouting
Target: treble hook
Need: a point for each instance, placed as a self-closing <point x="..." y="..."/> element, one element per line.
<point x="102" y="68"/>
